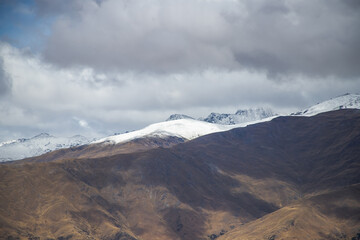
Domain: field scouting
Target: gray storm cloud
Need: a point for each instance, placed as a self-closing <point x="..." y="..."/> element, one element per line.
<point x="5" y="81"/>
<point x="113" y="66"/>
<point x="312" y="38"/>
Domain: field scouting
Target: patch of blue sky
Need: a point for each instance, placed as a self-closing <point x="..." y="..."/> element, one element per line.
<point x="22" y="27"/>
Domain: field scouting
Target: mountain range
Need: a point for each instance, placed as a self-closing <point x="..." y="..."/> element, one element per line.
<point x="178" y="126"/>
<point x="37" y="145"/>
<point x="241" y="116"/>
<point x="286" y="178"/>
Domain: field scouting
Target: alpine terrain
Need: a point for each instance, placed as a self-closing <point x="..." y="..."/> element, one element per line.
<point x="240" y="116"/>
<point x="177" y="128"/>
<point x="283" y="177"/>
<point x="37" y="145"/>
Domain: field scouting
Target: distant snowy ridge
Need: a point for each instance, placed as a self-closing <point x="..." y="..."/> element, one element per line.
<point x="184" y="127"/>
<point x="177" y="125"/>
<point x="241" y="116"/>
<point x="178" y="116"/>
<point x="187" y="129"/>
<point x="40" y="144"/>
<point x="346" y="101"/>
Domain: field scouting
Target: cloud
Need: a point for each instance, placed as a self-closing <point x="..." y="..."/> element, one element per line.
<point x="82" y="123"/>
<point x="65" y="102"/>
<point x="280" y="38"/>
<point x="111" y="66"/>
<point x="5" y="81"/>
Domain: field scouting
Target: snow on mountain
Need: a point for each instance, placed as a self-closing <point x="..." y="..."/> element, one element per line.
<point x="177" y="125"/>
<point x="351" y="101"/>
<point x="187" y="128"/>
<point x="35" y="146"/>
<point x="183" y="128"/>
<point x="241" y="116"/>
<point x="178" y="116"/>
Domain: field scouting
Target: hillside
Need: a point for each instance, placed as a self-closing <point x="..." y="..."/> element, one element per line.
<point x="330" y="215"/>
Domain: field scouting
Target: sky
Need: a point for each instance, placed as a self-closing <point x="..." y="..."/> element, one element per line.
<point x="108" y="66"/>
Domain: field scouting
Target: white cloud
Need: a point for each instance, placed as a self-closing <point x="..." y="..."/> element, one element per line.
<point x="82" y="123"/>
<point x="46" y="98"/>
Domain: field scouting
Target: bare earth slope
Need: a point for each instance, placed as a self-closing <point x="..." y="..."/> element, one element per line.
<point x="288" y="177"/>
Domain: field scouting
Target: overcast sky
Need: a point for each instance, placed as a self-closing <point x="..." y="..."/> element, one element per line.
<point x="99" y="67"/>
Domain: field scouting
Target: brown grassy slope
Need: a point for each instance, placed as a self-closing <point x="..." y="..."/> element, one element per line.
<point x="44" y="201"/>
<point x="189" y="191"/>
<point x="100" y="198"/>
<point x="331" y="215"/>
<point x="107" y="149"/>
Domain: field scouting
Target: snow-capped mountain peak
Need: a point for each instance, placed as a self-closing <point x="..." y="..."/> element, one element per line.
<point x="346" y="101"/>
<point x="186" y="129"/>
<point x="241" y="116"/>
<point x="256" y="113"/>
<point x="37" y="145"/>
<point x="178" y="116"/>
<point x="182" y="128"/>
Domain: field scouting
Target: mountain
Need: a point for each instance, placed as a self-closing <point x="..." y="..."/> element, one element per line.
<point x="163" y="134"/>
<point x="176" y="129"/>
<point x="178" y="116"/>
<point x="186" y="129"/>
<point x="241" y="116"/>
<point x="288" y="178"/>
<point x="182" y="128"/>
<point x="37" y="145"/>
<point x="107" y="149"/>
<point x="346" y="101"/>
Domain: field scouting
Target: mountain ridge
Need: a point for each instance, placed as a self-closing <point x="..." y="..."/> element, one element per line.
<point x="37" y="145"/>
<point x="177" y="126"/>
<point x="345" y="101"/>
<point x="240" y="116"/>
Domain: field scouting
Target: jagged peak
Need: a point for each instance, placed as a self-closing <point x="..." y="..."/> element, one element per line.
<point x="177" y="116"/>
<point x="267" y="111"/>
<point x="43" y="135"/>
<point x="241" y="116"/>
